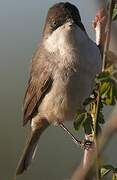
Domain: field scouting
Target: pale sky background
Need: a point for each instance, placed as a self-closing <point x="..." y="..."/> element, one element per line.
<point x="21" y="24"/>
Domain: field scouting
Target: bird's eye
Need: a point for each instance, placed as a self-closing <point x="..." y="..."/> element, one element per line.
<point x="54" y="24"/>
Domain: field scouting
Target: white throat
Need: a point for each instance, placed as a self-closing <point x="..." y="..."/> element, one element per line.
<point x="64" y="39"/>
<point x="65" y="43"/>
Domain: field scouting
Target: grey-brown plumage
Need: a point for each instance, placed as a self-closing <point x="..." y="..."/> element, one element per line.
<point x="39" y="84"/>
<point x="62" y="75"/>
<point x="30" y="148"/>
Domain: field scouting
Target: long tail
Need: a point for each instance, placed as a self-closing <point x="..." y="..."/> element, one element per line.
<point x="30" y="149"/>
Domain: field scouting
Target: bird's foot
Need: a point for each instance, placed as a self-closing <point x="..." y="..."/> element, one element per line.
<point x="87" y="144"/>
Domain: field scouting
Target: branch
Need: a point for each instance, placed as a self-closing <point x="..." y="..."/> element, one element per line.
<point x="99" y="24"/>
<point x="107" y="41"/>
<point x="109" y="130"/>
<point x="102" y="40"/>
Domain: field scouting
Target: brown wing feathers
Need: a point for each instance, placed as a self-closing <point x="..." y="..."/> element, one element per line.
<point x="35" y="93"/>
<point x="39" y="84"/>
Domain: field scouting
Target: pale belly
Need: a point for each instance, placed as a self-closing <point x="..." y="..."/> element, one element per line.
<point x="70" y="50"/>
<point x="65" y="98"/>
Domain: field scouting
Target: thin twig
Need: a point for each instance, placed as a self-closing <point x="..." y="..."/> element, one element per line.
<point x="107" y="41"/>
<point x="99" y="24"/>
<point x="95" y="137"/>
<point x="106" y="48"/>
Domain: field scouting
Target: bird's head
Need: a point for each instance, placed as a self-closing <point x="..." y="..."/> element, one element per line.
<point x="64" y="15"/>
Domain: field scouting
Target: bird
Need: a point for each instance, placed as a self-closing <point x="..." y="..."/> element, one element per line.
<point x="62" y="75"/>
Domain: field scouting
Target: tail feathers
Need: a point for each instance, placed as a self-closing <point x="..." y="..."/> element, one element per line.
<point x="28" y="153"/>
<point x="30" y="149"/>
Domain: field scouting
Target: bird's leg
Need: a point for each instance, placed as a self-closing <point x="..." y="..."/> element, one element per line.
<point x="86" y="144"/>
<point x="76" y="141"/>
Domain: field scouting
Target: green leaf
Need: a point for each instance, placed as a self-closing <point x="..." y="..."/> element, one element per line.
<point x="112" y="93"/>
<point x="108" y="91"/>
<point x="104" y="88"/>
<point x="110" y="97"/>
<point x="88" y="125"/>
<point x="83" y="119"/>
<point x="106" y="169"/>
<point x="88" y="101"/>
<point x="114" y="16"/>
<point x="101" y="105"/>
<point x="79" y="119"/>
<point x="109" y="67"/>
<point x="103" y="76"/>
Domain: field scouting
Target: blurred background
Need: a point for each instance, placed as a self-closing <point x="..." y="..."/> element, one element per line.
<point x="21" y="25"/>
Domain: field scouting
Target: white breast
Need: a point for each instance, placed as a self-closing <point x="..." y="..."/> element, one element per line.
<point x="64" y="39"/>
<point x="73" y="50"/>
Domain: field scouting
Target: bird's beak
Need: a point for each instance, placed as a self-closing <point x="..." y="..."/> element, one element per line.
<point x="70" y="22"/>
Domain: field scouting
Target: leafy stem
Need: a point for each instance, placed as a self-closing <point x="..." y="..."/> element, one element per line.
<point x="104" y="93"/>
<point x="106" y="48"/>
